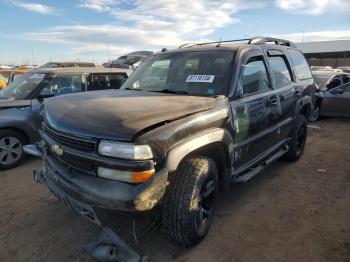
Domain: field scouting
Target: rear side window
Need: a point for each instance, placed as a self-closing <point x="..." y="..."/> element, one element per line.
<point x="255" y="78"/>
<point x="116" y="80"/>
<point x="97" y="82"/>
<point x="280" y="71"/>
<point x="347" y="87"/>
<point x="301" y="66"/>
<point x="105" y="81"/>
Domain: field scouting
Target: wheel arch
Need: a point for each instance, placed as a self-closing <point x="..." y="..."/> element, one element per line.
<point x="18" y="130"/>
<point x="305" y="107"/>
<point x="216" y="143"/>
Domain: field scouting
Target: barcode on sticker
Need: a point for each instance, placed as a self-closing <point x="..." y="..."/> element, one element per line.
<point x="200" y="79"/>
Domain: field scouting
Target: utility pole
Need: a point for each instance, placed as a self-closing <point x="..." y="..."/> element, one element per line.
<point x="32" y="57"/>
<point x="303" y="36"/>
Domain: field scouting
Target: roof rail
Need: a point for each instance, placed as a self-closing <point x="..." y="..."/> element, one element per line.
<point x="261" y="40"/>
<point x="257" y="40"/>
<point x="210" y="43"/>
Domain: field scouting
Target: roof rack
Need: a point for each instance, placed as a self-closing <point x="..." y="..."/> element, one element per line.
<point x="257" y="40"/>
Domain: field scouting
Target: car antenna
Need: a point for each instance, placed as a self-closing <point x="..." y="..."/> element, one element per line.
<point x="219" y="42"/>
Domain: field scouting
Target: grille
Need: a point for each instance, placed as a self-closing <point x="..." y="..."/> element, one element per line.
<point x="70" y="141"/>
<point x="71" y="161"/>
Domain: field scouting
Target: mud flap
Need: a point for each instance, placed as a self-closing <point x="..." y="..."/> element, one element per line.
<point x="110" y="247"/>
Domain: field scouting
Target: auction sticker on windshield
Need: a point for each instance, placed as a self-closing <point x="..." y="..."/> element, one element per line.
<point x="200" y="79"/>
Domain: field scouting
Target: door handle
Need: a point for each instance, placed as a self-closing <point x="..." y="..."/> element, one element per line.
<point x="297" y="93"/>
<point x="273" y="101"/>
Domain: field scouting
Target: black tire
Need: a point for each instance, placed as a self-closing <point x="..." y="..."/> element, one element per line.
<point x="298" y="139"/>
<point x="11" y="148"/>
<point x="316" y="112"/>
<point x="187" y="212"/>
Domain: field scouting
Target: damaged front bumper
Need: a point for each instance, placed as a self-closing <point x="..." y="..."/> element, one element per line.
<point x="92" y="191"/>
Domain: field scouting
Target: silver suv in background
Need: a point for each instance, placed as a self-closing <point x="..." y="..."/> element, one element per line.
<point x="21" y="100"/>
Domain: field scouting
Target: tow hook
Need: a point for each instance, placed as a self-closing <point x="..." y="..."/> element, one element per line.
<point x="110" y="247"/>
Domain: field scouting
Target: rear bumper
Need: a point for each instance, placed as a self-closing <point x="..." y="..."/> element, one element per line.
<point x="83" y="192"/>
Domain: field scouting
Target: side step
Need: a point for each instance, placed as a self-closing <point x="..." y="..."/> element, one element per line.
<point x="253" y="172"/>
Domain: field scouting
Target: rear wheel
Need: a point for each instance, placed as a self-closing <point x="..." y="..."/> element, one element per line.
<point x="316" y="112"/>
<point x="190" y="200"/>
<point x="11" y="148"/>
<point x="298" y="139"/>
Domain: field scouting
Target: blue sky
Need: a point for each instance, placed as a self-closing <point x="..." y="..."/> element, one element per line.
<point x="96" y="30"/>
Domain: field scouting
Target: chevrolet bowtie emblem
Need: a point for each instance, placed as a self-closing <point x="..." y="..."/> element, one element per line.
<point x="57" y="149"/>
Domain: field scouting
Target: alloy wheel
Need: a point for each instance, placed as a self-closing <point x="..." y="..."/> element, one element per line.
<point x="11" y="150"/>
<point x="206" y="203"/>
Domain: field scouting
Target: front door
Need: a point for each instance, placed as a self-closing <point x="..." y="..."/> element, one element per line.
<point x="253" y="110"/>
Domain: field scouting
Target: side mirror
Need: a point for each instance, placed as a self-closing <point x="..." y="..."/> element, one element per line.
<point x="336" y="91"/>
<point x="41" y="97"/>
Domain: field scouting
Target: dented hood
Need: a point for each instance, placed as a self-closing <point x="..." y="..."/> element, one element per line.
<point x="119" y="114"/>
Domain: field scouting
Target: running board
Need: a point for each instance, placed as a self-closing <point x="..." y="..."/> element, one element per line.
<point x="253" y="172"/>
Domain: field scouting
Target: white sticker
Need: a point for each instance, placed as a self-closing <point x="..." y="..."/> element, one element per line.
<point x="40" y="76"/>
<point x="200" y="79"/>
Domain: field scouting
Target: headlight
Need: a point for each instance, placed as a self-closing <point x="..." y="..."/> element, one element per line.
<point x="125" y="150"/>
<point x="125" y="176"/>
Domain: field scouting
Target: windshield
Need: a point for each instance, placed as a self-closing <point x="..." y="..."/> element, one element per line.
<point x="21" y="87"/>
<point x="321" y="81"/>
<point x="195" y="73"/>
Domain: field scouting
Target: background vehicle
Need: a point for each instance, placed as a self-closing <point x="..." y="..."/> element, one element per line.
<point x="315" y="68"/>
<point x="131" y="60"/>
<point x="67" y="64"/>
<point x="7" y="76"/>
<point x="185" y="123"/>
<point x="333" y="98"/>
<point x="345" y="69"/>
<point x="20" y="102"/>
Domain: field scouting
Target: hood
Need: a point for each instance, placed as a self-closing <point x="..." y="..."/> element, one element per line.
<point x="9" y="103"/>
<point x="119" y="114"/>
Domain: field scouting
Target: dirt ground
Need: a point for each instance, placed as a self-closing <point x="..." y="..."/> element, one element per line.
<point x="290" y="212"/>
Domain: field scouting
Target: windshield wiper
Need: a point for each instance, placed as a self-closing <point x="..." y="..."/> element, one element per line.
<point x="171" y="91"/>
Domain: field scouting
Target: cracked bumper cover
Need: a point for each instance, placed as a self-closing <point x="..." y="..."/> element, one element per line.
<point x="89" y="191"/>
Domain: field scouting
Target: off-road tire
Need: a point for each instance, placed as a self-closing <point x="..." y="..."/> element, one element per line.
<point x="6" y="133"/>
<point x="181" y="208"/>
<point x="297" y="142"/>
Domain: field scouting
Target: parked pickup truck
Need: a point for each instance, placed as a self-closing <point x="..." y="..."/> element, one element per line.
<point x="20" y="102"/>
<point x="185" y="124"/>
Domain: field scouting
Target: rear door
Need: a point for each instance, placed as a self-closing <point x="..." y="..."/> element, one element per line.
<point x="253" y="110"/>
<point x="284" y="83"/>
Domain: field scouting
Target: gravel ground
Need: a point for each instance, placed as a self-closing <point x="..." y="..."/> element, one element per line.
<point x="290" y="212"/>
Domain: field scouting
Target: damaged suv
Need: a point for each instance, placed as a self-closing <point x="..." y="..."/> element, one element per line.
<point x="186" y="123"/>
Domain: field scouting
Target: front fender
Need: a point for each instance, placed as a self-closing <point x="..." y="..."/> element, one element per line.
<point x="197" y="141"/>
<point x="19" y="119"/>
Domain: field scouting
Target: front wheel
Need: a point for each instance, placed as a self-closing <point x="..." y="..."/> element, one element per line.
<point x="298" y="139"/>
<point x="11" y="148"/>
<point x="190" y="200"/>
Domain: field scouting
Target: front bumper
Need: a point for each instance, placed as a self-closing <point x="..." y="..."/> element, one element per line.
<point x="83" y="192"/>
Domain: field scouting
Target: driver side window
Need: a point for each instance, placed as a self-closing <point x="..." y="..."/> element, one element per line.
<point x="255" y="78"/>
<point x="335" y="82"/>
